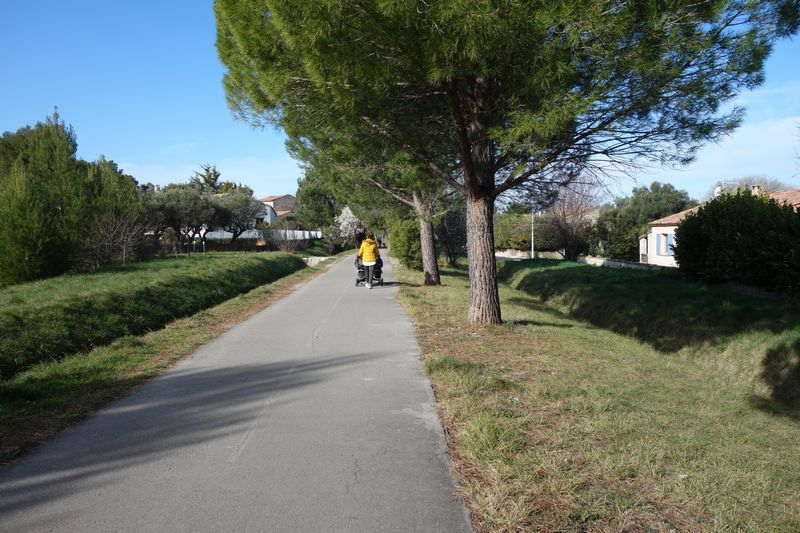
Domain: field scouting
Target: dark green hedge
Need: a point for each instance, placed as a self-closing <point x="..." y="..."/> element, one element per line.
<point x="742" y="238"/>
<point x="33" y="333"/>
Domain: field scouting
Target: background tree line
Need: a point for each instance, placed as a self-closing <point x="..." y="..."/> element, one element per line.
<point x="577" y="222"/>
<point x="62" y="213"/>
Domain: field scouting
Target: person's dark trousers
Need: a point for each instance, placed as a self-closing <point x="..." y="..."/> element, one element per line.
<point x="369" y="274"/>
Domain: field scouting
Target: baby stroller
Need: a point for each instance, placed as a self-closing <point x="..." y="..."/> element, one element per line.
<point x="361" y="272"/>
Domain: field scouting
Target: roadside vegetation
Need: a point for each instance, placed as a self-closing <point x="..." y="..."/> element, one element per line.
<point x="316" y="248"/>
<point x="67" y="215"/>
<point x="617" y="400"/>
<point x="41" y="401"/>
<point x="49" y="319"/>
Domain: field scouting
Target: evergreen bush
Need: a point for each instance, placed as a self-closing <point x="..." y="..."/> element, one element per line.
<point x="405" y="244"/>
<point x="512" y="231"/>
<point x="42" y="204"/>
<point x="743" y="238"/>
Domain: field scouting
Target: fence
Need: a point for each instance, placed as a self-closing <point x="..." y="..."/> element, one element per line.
<point x="290" y="235"/>
<point x="273" y="235"/>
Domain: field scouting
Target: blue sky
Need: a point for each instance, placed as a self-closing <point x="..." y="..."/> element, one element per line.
<point x="141" y="83"/>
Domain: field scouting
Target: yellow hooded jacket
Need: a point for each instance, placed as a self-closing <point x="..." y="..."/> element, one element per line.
<point x="368" y="251"/>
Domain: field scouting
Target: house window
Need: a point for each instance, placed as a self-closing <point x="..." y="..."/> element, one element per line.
<point x="665" y="243"/>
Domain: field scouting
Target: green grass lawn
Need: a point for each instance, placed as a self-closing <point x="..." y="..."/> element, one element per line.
<point x="39" y="402"/>
<point x="617" y="400"/>
<point x="56" y="317"/>
<point x="134" y="274"/>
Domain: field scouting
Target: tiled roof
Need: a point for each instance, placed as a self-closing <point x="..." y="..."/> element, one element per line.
<point x="283" y="212"/>
<point x="272" y="197"/>
<point x="791" y="197"/>
<point x="675" y="218"/>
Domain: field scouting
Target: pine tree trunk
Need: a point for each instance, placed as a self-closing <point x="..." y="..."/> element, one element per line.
<point x="484" y="296"/>
<point x="472" y="102"/>
<point x="430" y="266"/>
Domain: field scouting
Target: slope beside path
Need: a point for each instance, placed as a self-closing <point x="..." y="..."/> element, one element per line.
<point x="314" y="415"/>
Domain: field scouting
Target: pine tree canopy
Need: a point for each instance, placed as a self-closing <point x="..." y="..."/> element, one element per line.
<point x="515" y="91"/>
<point x="490" y="96"/>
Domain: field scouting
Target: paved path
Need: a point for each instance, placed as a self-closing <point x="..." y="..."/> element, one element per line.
<point x="311" y="416"/>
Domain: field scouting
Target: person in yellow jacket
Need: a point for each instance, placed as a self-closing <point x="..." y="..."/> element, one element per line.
<point x="369" y="254"/>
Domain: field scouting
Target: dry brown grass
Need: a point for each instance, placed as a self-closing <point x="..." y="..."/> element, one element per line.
<point x="558" y="425"/>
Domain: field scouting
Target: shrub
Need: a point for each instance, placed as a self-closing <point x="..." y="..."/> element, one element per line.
<point x="512" y="230"/>
<point x="405" y="245"/>
<point x="743" y="238"/>
<point x="332" y="239"/>
<point x="62" y="316"/>
<point x="547" y="236"/>
<point x="41" y="204"/>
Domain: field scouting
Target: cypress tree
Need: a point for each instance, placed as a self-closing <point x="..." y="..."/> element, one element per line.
<point x="42" y="204"/>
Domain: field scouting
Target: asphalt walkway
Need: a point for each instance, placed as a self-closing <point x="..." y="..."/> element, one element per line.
<point x="314" y="415"/>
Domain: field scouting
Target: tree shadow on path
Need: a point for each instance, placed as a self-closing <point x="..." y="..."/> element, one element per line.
<point x="181" y="409"/>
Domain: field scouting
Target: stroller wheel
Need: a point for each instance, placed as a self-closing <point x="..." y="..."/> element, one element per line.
<point x="356" y="283"/>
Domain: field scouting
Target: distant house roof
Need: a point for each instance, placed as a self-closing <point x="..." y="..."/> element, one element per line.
<point x="283" y="212"/>
<point x="272" y="197"/>
<point x="791" y="197"/>
<point x="675" y="218"/>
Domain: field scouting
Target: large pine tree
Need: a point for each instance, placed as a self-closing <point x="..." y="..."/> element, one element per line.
<point x="520" y="93"/>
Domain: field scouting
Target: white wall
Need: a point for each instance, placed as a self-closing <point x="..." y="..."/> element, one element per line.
<point x="269" y="214"/>
<point x="613" y="263"/>
<point x="275" y="235"/>
<point x="225" y="235"/>
<point x="291" y="234"/>
<point x="656" y="255"/>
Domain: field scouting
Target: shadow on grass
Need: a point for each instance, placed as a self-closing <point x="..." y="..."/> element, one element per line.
<point x="537" y="323"/>
<point x="397" y="284"/>
<point x="181" y="410"/>
<point x="463" y="274"/>
<point x="657" y="307"/>
<point x="770" y="406"/>
<point x="780" y="370"/>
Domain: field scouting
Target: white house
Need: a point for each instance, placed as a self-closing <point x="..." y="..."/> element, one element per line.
<point x="656" y="247"/>
<point x="281" y="204"/>
<point x="270" y="215"/>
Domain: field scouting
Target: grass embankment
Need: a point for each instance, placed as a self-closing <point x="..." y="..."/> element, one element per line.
<point x="617" y="400"/>
<point x="316" y="249"/>
<point x="56" y="317"/>
<point x="39" y="402"/>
